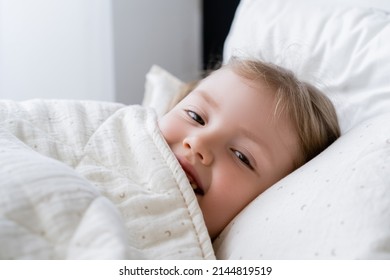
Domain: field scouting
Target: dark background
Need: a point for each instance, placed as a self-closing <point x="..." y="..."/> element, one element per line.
<point x="217" y="18"/>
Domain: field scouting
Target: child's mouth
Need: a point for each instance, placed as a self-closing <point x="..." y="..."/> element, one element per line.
<point x="189" y="171"/>
<point x="196" y="188"/>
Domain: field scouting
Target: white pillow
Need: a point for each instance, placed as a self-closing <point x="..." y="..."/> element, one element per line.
<point x="162" y="90"/>
<point x="337" y="206"/>
<point x="344" y="50"/>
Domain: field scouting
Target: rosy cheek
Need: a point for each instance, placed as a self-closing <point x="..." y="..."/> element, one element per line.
<point x="235" y="186"/>
<point x="171" y="128"/>
<point x="164" y="126"/>
<point x="223" y="178"/>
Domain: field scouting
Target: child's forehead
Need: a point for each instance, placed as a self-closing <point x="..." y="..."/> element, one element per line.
<point x="225" y="77"/>
<point x="226" y="89"/>
<point x="230" y="80"/>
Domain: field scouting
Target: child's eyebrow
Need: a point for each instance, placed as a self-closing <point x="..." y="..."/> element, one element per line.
<point x="249" y="134"/>
<point x="208" y="99"/>
<point x="264" y="146"/>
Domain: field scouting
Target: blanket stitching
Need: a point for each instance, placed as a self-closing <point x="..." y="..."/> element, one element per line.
<point x="157" y="138"/>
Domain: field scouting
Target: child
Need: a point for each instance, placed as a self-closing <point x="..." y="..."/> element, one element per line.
<point x="242" y="129"/>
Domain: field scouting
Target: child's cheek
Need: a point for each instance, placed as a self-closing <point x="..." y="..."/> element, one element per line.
<point x="170" y="127"/>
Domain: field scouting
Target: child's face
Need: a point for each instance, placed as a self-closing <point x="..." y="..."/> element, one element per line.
<point x="230" y="144"/>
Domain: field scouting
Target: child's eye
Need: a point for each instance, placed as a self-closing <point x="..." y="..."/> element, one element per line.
<point x="195" y="117"/>
<point x="243" y="159"/>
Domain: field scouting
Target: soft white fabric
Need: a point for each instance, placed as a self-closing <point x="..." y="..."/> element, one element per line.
<point x="340" y="46"/>
<point x="90" y="180"/>
<point x="162" y="90"/>
<point x="337" y="206"/>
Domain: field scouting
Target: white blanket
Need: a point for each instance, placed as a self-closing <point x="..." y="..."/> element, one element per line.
<point x="93" y="180"/>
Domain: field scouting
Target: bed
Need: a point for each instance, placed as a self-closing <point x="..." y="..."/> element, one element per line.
<point x="337" y="206"/>
<point x="67" y="190"/>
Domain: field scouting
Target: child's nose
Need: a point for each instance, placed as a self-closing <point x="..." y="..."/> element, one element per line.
<point x="199" y="148"/>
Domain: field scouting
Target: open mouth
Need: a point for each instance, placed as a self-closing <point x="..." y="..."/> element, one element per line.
<point x="189" y="171"/>
<point x="195" y="187"/>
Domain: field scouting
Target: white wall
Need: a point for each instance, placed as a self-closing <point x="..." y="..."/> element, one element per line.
<point x="95" y="49"/>
<point x="147" y="32"/>
<point x="56" y="49"/>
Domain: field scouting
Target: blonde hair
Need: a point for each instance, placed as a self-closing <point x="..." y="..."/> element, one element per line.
<point x="310" y="110"/>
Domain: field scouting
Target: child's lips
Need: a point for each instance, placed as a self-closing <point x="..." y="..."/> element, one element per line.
<point x="191" y="175"/>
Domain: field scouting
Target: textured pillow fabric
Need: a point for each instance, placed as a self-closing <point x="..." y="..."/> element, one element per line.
<point x="162" y="90"/>
<point x="344" y="50"/>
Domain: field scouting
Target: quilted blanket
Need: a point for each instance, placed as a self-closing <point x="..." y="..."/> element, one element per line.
<point x="93" y="180"/>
